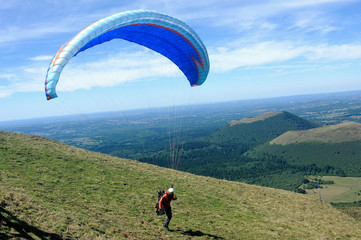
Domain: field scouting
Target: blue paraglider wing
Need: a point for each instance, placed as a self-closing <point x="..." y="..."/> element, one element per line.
<point x="164" y="34"/>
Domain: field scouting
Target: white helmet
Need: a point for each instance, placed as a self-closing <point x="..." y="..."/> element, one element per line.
<point x="171" y="190"/>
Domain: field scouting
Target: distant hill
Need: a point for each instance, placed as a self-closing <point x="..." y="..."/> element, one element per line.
<point x="49" y="190"/>
<point x="336" y="146"/>
<point x="259" y="129"/>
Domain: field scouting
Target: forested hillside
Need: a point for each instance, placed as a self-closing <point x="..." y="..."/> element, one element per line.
<point x="336" y="148"/>
<point x="241" y="151"/>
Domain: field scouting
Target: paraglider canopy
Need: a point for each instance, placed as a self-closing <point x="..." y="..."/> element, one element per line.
<point x="162" y="33"/>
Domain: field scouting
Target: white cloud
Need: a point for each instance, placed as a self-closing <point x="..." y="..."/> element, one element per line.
<point x="263" y="53"/>
<point x="337" y="52"/>
<point x="314" y="20"/>
<point x="234" y="13"/>
<point x="41" y="58"/>
<point x="5" y="93"/>
<point x="310" y="3"/>
<point x="38" y="24"/>
<point x="22" y="79"/>
<point x="7" y="76"/>
<point x="226" y="59"/>
<point x="11" y="35"/>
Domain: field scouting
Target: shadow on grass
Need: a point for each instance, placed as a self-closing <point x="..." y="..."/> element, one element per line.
<point x="197" y="234"/>
<point x="11" y="223"/>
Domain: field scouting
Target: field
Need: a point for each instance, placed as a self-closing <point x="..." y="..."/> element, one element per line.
<point x="344" y="189"/>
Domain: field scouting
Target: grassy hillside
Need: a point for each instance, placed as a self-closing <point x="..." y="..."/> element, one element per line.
<point x="49" y="190"/>
<point x="343" y="132"/>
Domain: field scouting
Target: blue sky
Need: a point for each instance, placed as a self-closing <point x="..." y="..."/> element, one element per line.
<point x="257" y="49"/>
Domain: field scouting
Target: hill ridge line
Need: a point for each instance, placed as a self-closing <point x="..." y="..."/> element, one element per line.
<point x="255" y="119"/>
<point x="342" y="132"/>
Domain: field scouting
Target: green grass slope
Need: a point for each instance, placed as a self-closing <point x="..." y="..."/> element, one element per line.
<point x="343" y="132"/>
<point x="260" y="129"/>
<point x="49" y="190"/>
